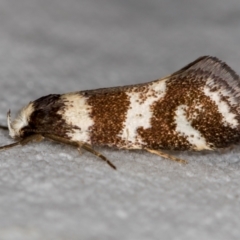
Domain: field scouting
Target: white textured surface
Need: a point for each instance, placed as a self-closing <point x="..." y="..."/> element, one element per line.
<point x="48" y="191"/>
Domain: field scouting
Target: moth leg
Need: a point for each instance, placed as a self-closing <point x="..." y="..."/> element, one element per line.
<point x="165" y="155"/>
<point x="5" y="147"/>
<point x="24" y="141"/>
<point x="79" y="145"/>
<point x="35" y="137"/>
<point x="98" y="154"/>
<point x="80" y="151"/>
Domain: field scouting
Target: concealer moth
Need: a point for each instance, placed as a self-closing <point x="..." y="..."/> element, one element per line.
<point x="196" y="108"/>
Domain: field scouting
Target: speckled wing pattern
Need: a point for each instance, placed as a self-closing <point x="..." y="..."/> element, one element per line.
<point x="195" y="108"/>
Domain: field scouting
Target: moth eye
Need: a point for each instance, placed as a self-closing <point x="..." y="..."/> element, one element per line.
<point x="22" y="132"/>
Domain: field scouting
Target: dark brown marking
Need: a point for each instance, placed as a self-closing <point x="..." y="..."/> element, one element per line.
<point x="46" y="119"/>
<point x="108" y="113"/>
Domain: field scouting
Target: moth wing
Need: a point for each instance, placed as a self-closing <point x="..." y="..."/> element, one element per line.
<point x="209" y="66"/>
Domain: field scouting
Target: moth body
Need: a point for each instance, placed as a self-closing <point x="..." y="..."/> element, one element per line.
<point x="195" y="108"/>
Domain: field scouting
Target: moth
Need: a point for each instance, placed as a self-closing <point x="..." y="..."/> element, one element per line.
<point x="196" y="108"/>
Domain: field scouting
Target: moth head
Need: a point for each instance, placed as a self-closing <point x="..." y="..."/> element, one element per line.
<point x="21" y="121"/>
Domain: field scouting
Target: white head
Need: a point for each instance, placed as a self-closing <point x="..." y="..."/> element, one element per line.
<point x="20" y="121"/>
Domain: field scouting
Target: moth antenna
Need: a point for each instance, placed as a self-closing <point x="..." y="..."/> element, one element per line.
<point x="3" y="127"/>
<point x="8" y="116"/>
<point x="5" y="147"/>
<point x="24" y="141"/>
